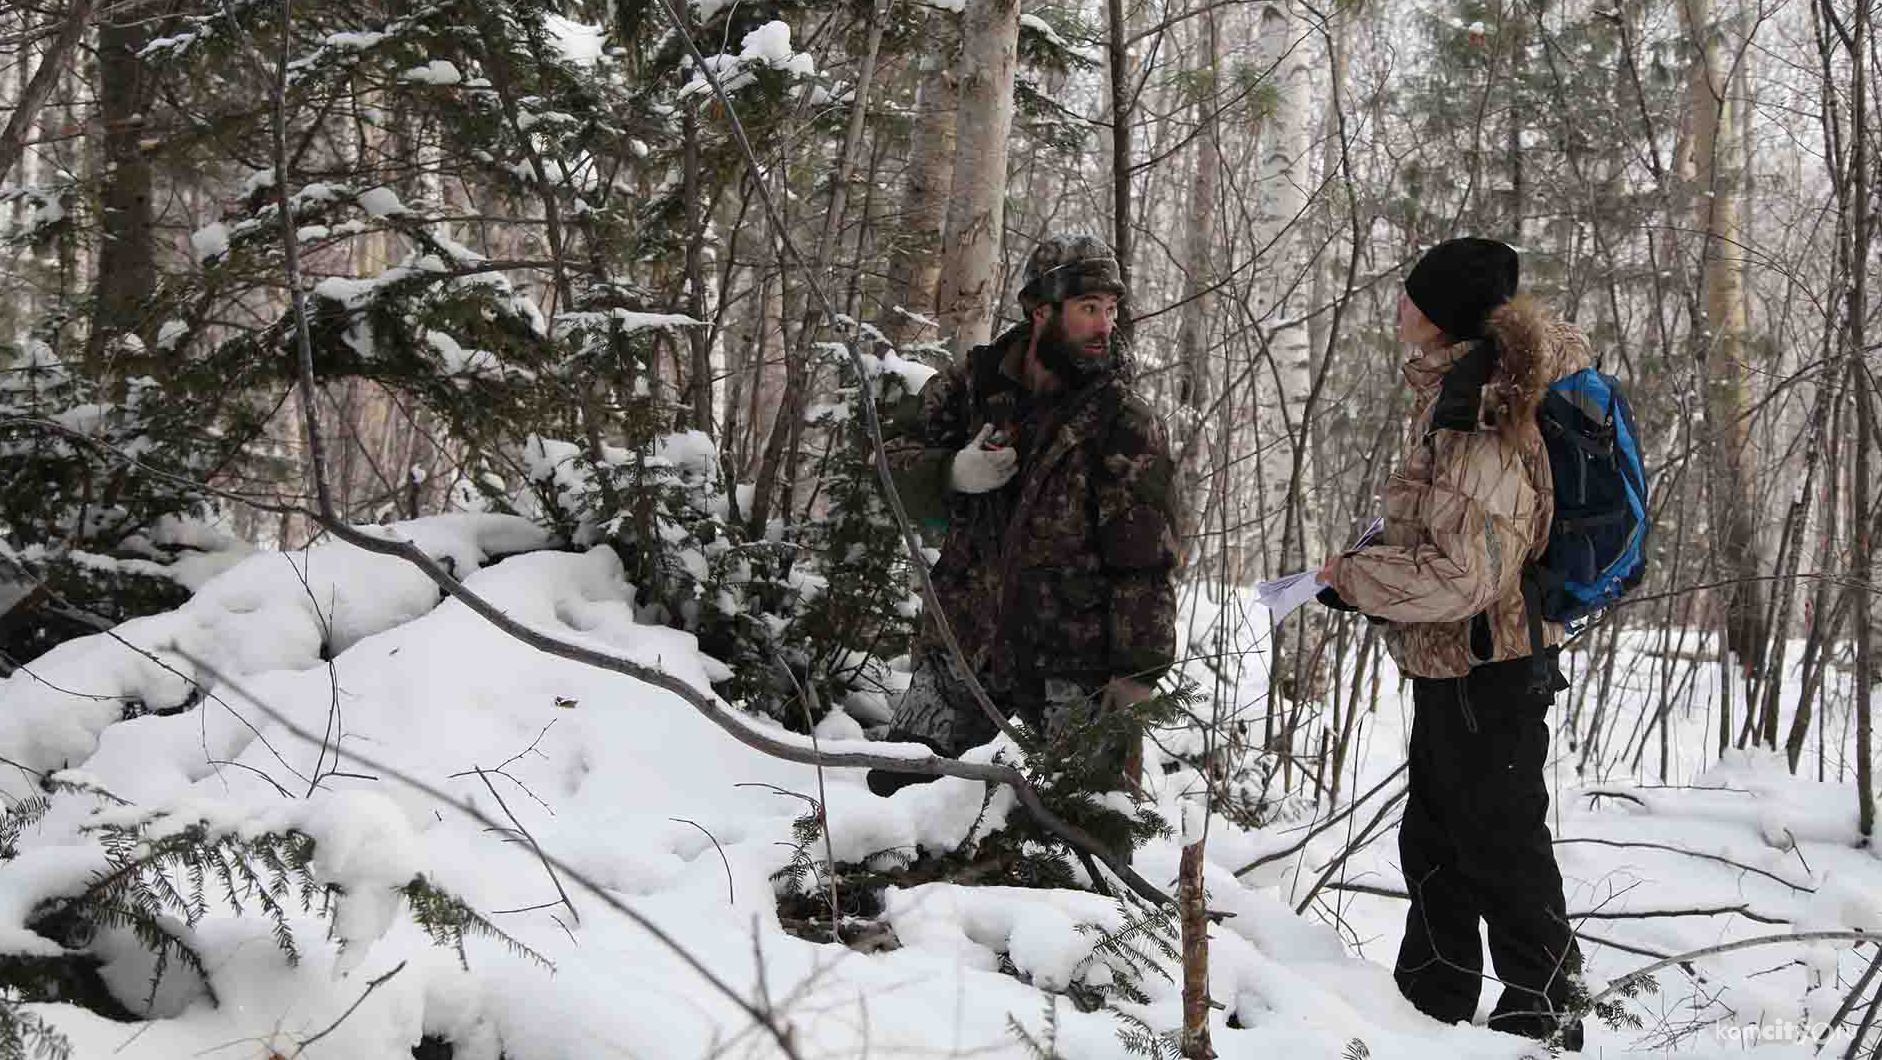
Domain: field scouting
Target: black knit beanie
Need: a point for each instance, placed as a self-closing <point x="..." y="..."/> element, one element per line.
<point x="1458" y="282"/>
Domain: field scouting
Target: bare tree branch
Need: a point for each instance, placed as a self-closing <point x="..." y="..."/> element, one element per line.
<point x="13" y="141"/>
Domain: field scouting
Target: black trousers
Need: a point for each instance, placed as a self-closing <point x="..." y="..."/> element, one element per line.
<point x="1475" y="845"/>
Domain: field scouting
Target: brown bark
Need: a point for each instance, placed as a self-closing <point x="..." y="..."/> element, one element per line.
<point x="1123" y="109"/>
<point x="698" y="339"/>
<point x="26" y="108"/>
<point x="127" y="268"/>
<point x="1863" y="556"/>
<point x="1193" y="911"/>
<point x="1862" y="560"/>
<point x="1192" y="350"/>
<point x="1784" y="590"/>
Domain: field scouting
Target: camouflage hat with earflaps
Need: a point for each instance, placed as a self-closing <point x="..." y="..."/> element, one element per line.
<point x="1062" y="267"/>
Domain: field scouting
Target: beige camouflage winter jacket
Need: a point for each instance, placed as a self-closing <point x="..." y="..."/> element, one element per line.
<point x="1466" y="511"/>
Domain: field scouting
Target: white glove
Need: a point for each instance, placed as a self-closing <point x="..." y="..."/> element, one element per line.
<point x="977" y="469"/>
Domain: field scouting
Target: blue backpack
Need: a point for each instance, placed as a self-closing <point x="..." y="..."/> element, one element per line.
<point x="1597" y="540"/>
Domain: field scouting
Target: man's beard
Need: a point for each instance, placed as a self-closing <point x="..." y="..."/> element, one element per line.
<point x="1065" y="359"/>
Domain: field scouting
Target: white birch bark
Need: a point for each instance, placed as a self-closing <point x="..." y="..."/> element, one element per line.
<point x="1282" y="173"/>
<point x="970" y="270"/>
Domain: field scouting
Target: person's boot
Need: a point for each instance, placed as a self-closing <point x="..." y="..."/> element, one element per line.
<point x="886" y="782"/>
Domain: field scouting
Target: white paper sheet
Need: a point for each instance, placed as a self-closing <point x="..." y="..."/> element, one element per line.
<point x="1283" y="595"/>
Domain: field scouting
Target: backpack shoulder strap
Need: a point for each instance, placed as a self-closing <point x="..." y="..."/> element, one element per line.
<point x="1541" y="678"/>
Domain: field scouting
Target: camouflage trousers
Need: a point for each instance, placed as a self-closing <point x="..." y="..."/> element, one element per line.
<point x="939" y="710"/>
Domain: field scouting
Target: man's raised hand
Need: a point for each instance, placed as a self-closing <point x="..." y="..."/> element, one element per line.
<point x="977" y="468"/>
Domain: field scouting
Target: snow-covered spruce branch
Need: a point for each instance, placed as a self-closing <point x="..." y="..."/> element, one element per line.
<point x="109" y="451"/>
<point x="760" y="1014"/>
<point x="718" y="712"/>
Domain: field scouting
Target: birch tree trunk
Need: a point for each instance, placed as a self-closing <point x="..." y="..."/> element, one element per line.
<point x="915" y="265"/>
<point x="1712" y="173"/>
<point x="970" y="265"/>
<point x="1283" y="391"/>
<point x="1325" y="277"/>
<point x="1281" y="176"/>
<point x="1328" y="272"/>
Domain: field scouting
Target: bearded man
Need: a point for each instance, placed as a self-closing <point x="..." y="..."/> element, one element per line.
<point x="1054" y="481"/>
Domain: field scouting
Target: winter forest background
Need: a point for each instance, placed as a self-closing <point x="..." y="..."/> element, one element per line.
<point x="593" y="306"/>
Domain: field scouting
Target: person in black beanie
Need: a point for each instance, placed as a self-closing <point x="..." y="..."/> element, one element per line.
<point x="1458" y="282"/>
<point x="1468" y="508"/>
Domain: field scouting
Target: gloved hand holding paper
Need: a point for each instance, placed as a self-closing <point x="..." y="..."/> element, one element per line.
<point x="1282" y="595"/>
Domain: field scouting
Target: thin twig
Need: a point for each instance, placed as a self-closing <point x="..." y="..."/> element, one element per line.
<point x="1288" y="851"/>
<point x="1691" y="854"/>
<point x="285" y="793"/>
<point x="484" y="776"/>
<point x="806" y="698"/>
<point x="361" y="1000"/>
<point x="731" y="897"/>
<point x="1625" y="981"/>
<point x="1366" y="835"/>
<point x="1850" y="1000"/>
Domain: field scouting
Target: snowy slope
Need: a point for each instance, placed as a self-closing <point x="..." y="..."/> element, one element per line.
<point x="631" y="788"/>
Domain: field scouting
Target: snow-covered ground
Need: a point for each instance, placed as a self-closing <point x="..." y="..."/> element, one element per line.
<point x="631" y="788"/>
